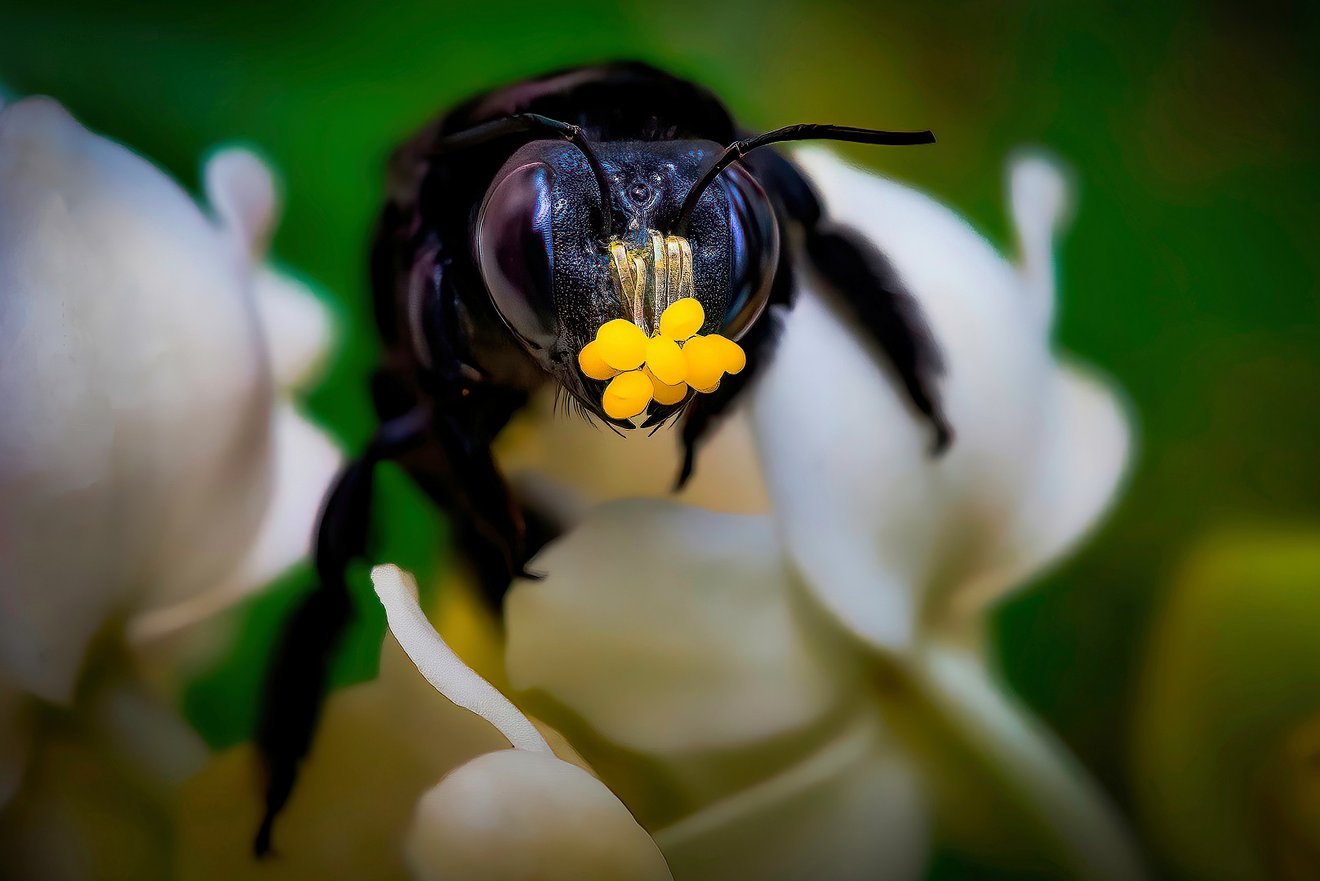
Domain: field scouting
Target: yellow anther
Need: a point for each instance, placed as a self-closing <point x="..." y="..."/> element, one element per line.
<point x="593" y="364"/>
<point x="734" y="359"/>
<point x="627" y="395"/>
<point x="682" y="319"/>
<point x="665" y="360"/>
<point x="667" y="394"/>
<point x="621" y="344"/>
<point x="705" y="363"/>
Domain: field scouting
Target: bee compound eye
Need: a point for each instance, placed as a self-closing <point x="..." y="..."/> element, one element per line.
<point x="754" y="251"/>
<point x="515" y="251"/>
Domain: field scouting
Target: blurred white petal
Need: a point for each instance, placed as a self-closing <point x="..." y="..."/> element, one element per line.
<point x="867" y="515"/>
<point x="858" y="500"/>
<point x="241" y="191"/>
<point x="1078" y="473"/>
<point x="1039" y="197"/>
<point x="513" y="815"/>
<point x="137" y="403"/>
<point x="1003" y="758"/>
<point x="441" y="667"/>
<point x="305" y="464"/>
<point x="298" y="327"/>
<point x="670" y="631"/>
<point x="855" y="811"/>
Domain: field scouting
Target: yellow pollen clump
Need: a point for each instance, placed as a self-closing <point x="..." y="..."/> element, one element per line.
<point x="682" y="319"/>
<point x="621" y="344"/>
<point x="666" y="394"/>
<point x="661" y="367"/>
<point x="732" y="357"/>
<point x="593" y="364"/>
<point x="627" y="395"/>
<point x="665" y="360"/>
<point x="705" y="363"/>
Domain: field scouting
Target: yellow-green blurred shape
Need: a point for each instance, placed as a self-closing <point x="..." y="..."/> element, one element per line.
<point x="1226" y="750"/>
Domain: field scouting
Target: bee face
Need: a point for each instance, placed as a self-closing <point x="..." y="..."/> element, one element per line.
<point x="556" y="276"/>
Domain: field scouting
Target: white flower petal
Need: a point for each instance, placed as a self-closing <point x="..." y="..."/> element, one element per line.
<point x="882" y="532"/>
<point x="670" y="630"/>
<point x="860" y="505"/>
<point x="305" y="463"/>
<point x="136" y="398"/>
<point x="513" y="815"/>
<point x="997" y="752"/>
<point x="1078" y="473"/>
<point x="1040" y="199"/>
<point x="855" y="810"/>
<point x="444" y="669"/>
<point x="241" y="191"/>
<point x="298" y="327"/>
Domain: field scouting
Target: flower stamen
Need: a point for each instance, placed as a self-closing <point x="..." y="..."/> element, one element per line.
<point x="442" y="668"/>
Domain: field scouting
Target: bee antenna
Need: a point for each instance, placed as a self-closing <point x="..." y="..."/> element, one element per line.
<point x="525" y="123"/>
<point x="804" y="131"/>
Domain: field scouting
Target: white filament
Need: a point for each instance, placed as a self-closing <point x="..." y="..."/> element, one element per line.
<point x="441" y="667"/>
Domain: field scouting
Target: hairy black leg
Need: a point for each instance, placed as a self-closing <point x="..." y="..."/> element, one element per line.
<point x="295" y="685"/>
<point x="438" y="355"/>
<point x="457" y="471"/>
<point x="486" y="552"/>
<point x="868" y="287"/>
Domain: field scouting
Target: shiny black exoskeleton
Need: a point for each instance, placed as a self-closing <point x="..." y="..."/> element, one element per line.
<point x="490" y="271"/>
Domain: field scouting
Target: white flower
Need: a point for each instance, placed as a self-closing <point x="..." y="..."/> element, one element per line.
<point x="509" y="814"/>
<point x="699" y="659"/>
<point x="151" y="466"/>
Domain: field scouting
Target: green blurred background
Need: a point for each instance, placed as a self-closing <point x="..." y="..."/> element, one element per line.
<point x="1190" y="273"/>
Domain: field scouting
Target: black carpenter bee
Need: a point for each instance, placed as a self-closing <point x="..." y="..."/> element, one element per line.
<point x="515" y="226"/>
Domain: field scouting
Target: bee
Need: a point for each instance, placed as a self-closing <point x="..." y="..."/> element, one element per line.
<point x="608" y="231"/>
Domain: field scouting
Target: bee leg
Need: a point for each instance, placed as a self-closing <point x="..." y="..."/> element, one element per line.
<point x="459" y="474"/>
<point x="295" y="685"/>
<point x="867" y="286"/>
<point x="487" y="553"/>
<point x="455" y="468"/>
